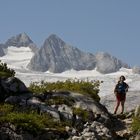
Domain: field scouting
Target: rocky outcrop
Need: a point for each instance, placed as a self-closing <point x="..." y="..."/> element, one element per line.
<point x="107" y="63"/>
<point x="89" y="119"/>
<point x="97" y="125"/>
<point x="136" y="70"/>
<point x="11" y="86"/>
<point x="57" y="56"/>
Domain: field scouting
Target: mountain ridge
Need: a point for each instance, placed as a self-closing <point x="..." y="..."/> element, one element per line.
<point x="57" y="56"/>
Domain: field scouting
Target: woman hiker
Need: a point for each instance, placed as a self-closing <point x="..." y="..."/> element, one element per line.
<point x="120" y="91"/>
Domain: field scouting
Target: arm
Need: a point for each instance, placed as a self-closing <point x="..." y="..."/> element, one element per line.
<point x="126" y="89"/>
<point x="115" y="90"/>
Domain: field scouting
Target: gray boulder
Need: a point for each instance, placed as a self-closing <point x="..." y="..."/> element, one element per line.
<point x="57" y="56"/>
<point x="11" y="86"/>
<point x="107" y="63"/>
<point x="136" y="70"/>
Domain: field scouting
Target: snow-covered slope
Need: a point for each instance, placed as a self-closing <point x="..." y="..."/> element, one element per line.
<point x="17" y="58"/>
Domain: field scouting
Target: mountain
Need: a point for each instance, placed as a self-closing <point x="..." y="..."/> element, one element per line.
<point x="107" y="63"/>
<point x="21" y="40"/>
<point x="57" y="56"/>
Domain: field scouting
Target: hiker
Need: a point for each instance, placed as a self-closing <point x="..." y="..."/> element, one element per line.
<point x="120" y="91"/>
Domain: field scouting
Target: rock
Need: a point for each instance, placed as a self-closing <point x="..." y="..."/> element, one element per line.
<point x="137" y="137"/>
<point x="52" y="111"/>
<point x="19" y="100"/>
<point x="7" y="132"/>
<point x="130" y="114"/>
<point x="66" y="112"/>
<point x="13" y="100"/>
<point x="136" y="70"/>
<point x="11" y="86"/>
<point x="75" y="138"/>
<point x="89" y="104"/>
<point x="52" y="134"/>
<point x="137" y="111"/>
<point x="34" y="101"/>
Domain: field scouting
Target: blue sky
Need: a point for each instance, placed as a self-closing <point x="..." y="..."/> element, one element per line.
<point x="111" y="26"/>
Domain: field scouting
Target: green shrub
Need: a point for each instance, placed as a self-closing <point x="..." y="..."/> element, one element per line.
<point x="5" y="71"/>
<point x="30" y="120"/>
<point x="136" y="124"/>
<point x="82" y="113"/>
<point x="5" y="109"/>
<point x="89" y="88"/>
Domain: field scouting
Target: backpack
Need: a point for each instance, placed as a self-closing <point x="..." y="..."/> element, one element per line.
<point x="121" y="87"/>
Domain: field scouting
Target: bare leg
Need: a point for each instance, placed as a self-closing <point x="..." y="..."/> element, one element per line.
<point x="116" y="108"/>
<point x="122" y="106"/>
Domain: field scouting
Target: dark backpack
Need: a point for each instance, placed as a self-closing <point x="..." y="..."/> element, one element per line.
<point x="121" y="87"/>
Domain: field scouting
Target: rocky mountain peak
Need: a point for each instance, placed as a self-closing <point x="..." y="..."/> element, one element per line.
<point x="57" y="56"/>
<point x="54" y="41"/>
<point x="19" y="40"/>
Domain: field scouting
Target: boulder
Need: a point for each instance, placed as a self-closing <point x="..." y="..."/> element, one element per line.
<point x="137" y="111"/>
<point x="10" y="86"/>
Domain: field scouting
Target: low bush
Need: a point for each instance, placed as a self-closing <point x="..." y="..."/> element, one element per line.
<point x="136" y="124"/>
<point x="5" y="71"/>
<point x="29" y="121"/>
<point x="89" y="88"/>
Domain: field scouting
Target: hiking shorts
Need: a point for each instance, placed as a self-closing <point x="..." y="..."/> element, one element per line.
<point x="121" y="96"/>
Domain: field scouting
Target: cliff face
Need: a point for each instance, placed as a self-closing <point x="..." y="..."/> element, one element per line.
<point x="57" y="56"/>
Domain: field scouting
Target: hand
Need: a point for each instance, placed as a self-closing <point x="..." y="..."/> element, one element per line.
<point x="115" y="93"/>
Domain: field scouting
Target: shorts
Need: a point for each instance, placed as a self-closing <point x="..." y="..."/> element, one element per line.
<point x="121" y="96"/>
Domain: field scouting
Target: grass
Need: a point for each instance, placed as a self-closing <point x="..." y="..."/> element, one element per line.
<point x="84" y="114"/>
<point x="136" y="124"/>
